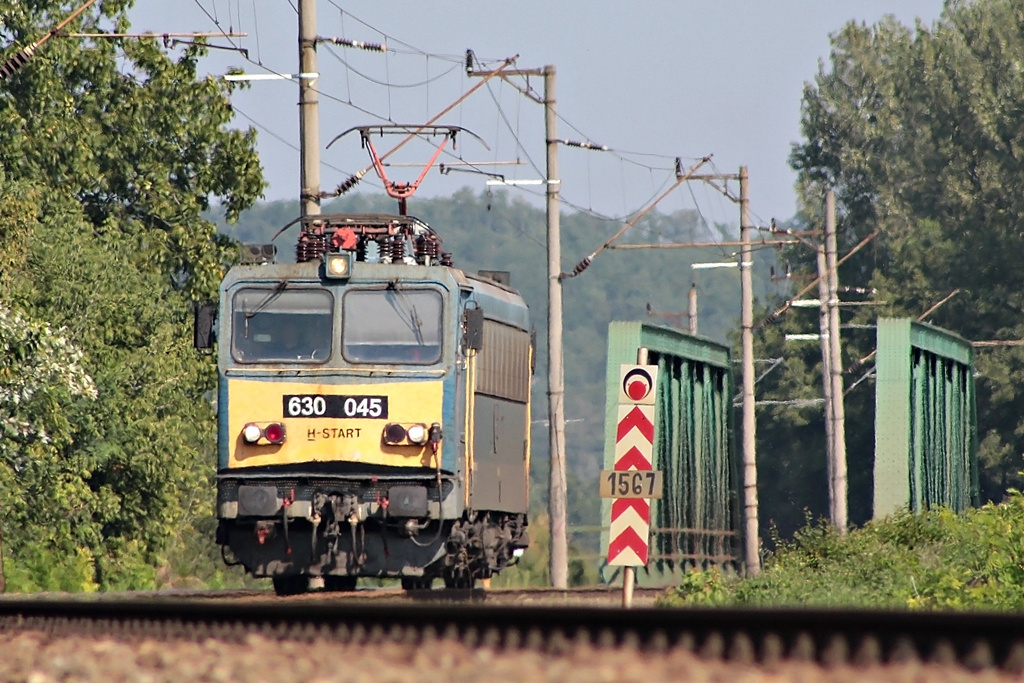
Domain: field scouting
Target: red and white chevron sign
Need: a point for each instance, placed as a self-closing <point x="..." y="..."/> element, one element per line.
<point x="634" y="450"/>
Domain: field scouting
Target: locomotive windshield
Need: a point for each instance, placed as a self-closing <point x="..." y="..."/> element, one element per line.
<point x="391" y="326"/>
<point x="281" y="325"/>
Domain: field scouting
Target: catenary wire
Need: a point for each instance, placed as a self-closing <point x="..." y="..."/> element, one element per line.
<point x="384" y="83"/>
<point x="256" y="26"/>
<point x="561" y="198"/>
<point x="703" y="220"/>
<point x="383" y="118"/>
<point x="282" y="140"/>
<point x="412" y="49"/>
<point x="459" y="59"/>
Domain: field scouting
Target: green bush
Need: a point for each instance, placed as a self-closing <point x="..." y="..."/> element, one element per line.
<point x="41" y="569"/>
<point x="933" y="560"/>
<point x="700" y="589"/>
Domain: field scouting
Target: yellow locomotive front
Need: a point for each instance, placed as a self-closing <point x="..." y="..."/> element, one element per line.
<point x="349" y="412"/>
<point x="277" y="326"/>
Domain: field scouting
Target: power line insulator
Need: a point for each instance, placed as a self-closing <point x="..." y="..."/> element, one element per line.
<point x="348" y="184"/>
<point x="351" y="182"/>
<point x="20" y="59"/>
<point x="586" y="144"/>
<point x="580" y="267"/>
<point x="359" y="44"/>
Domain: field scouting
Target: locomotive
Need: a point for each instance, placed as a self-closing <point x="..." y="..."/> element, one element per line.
<point x="373" y="410"/>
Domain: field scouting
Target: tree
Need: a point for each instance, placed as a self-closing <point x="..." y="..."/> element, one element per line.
<point x="917" y="130"/>
<point x="109" y="153"/>
<point x="108" y="436"/>
<point x="135" y="136"/>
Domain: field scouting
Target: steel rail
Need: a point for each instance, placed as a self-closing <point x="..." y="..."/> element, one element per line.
<point x="831" y="637"/>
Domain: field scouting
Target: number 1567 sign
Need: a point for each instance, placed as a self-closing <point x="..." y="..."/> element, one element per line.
<point x="631" y="484"/>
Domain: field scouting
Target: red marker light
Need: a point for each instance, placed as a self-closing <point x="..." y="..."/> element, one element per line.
<point x="394" y="434"/>
<point x="274" y="433"/>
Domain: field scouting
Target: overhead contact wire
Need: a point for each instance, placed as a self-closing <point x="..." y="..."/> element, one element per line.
<point x="585" y="263"/>
<point x="351" y="182"/>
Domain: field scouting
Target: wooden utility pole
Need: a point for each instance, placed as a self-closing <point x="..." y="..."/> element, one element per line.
<point x="309" y="115"/>
<point x="751" y="556"/>
<point x="838" y="416"/>
<point x="556" y="373"/>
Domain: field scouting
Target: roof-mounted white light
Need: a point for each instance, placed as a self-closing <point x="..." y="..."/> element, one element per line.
<point x="338" y="266"/>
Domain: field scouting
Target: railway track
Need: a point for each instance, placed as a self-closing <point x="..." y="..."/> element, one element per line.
<point x="628" y="639"/>
<point x="577" y="596"/>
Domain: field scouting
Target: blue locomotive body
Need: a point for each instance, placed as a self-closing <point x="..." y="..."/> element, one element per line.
<point x="373" y="411"/>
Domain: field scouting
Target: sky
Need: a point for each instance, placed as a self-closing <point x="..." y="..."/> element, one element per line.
<point x="652" y="81"/>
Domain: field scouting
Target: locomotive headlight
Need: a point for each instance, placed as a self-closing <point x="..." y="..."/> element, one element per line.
<point x="417" y="434"/>
<point x="396" y="434"/>
<point x="338" y="266"/>
<point x="251" y="433"/>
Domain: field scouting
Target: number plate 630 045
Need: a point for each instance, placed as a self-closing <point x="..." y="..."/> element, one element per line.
<point x="349" y="407"/>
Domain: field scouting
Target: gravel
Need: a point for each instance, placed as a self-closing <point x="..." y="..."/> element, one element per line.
<point x="37" y="657"/>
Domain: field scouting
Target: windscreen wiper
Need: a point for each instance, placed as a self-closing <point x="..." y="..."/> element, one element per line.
<point x="264" y="302"/>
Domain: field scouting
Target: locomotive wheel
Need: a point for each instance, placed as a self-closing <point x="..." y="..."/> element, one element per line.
<point x="417" y="583"/>
<point x="340" y="583"/>
<point x="291" y="585"/>
<point x="459" y="582"/>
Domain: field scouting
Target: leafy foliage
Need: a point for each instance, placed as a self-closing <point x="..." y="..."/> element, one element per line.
<point x="109" y="153"/>
<point x="934" y="560"/>
<point x="137" y="138"/>
<point x="41" y="381"/>
<point x="699" y="588"/>
<point x="122" y="435"/>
